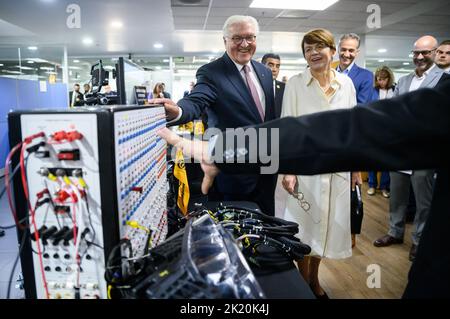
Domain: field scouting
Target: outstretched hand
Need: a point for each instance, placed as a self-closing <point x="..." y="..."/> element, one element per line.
<point x="197" y="150"/>
<point x="170" y="106"/>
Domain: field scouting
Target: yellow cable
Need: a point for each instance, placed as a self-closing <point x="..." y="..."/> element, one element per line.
<point x="150" y="244"/>
<point x="66" y="180"/>
<point x="81" y="182"/>
<point x="136" y="225"/>
<point x="109" y="291"/>
<point x="52" y="177"/>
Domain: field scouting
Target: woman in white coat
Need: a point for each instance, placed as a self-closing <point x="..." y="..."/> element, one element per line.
<point x="320" y="203"/>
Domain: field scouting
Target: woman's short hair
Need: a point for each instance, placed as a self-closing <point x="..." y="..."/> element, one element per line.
<point x="384" y="72"/>
<point x="322" y="36"/>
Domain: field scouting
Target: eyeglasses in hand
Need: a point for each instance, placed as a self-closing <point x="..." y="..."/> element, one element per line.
<point x="305" y="205"/>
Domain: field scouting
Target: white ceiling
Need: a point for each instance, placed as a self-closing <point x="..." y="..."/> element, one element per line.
<point x="193" y="27"/>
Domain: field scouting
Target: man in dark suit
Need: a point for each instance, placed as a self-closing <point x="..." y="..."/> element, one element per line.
<point x="415" y="135"/>
<point x="75" y="96"/>
<point x="273" y="62"/>
<point x="233" y="91"/>
<point x="362" y="79"/>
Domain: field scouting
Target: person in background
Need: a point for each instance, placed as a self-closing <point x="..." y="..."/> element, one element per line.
<point x="384" y="88"/>
<point x="362" y="78"/>
<point x="165" y="94"/>
<point x="417" y="126"/>
<point x="320" y="204"/>
<point x="284" y="79"/>
<point x="76" y="97"/>
<point x="191" y="87"/>
<point x="273" y="62"/>
<point x="86" y="88"/>
<point x="157" y="91"/>
<point x="442" y="59"/>
<point x="107" y="90"/>
<point x="426" y="74"/>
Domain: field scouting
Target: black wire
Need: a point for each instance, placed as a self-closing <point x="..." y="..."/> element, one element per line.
<point x="52" y="203"/>
<point x="92" y="242"/>
<point x="90" y="220"/>
<point x="22" y="244"/>
<point x="16" y="169"/>
<point x="14" y="225"/>
<point x="109" y="273"/>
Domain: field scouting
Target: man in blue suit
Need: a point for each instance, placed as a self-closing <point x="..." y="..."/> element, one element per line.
<point x="362" y="78"/>
<point x="232" y="91"/>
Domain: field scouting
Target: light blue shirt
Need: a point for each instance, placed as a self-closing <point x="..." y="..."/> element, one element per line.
<point x="347" y="70"/>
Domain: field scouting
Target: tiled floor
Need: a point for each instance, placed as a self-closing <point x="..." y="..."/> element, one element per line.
<point x="9" y="249"/>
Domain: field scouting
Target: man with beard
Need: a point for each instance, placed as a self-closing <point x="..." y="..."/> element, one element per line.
<point x="426" y="75"/>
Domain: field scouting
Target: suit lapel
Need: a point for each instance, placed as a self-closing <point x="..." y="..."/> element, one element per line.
<point x="407" y="84"/>
<point x="354" y="71"/>
<point x="431" y="77"/>
<point x="237" y="81"/>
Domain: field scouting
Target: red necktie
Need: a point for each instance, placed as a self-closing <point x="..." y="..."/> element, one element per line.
<point x="253" y="91"/>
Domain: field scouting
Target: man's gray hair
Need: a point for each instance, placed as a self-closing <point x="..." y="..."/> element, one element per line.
<point x="239" y="19"/>
<point x="350" y="36"/>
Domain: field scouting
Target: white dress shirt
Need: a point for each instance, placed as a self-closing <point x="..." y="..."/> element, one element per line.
<point x="261" y="95"/>
<point x="417" y="80"/>
<point x="259" y="89"/>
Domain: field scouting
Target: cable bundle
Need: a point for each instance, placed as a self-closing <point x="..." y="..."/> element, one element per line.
<point x="200" y="261"/>
<point x="267" y="242"/>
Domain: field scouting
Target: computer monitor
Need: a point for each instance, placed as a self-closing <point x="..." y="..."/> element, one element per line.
<point x="99" y="77"/>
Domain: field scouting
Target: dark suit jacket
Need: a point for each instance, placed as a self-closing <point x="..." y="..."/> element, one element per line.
<point x="279" y="92"/>
<point x="80" y="96"/>
<point x="415" y="134"/>
<point x="363" y="80"/>
<point x="222" y="94"/>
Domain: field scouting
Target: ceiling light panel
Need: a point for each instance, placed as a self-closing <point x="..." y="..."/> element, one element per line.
<point x="293" y="4"/>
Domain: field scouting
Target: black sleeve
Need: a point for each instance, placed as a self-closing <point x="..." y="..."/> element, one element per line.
<point x="407" y="132"/>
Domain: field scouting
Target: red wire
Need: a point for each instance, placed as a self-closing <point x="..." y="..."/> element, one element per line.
<point x="32" y="213"/>
<point x="41" y="263"/>
<point x="77" y="257"/>
<point x="23" y="144"/>
<point x="8" y="187"/>
<point x="74" y="219"/>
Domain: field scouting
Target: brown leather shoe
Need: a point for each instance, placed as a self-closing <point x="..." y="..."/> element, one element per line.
<point x="387" y="240"/>
<point x="412" y="252"/>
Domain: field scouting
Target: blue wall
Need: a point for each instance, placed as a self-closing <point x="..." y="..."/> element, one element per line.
<point x="25" y="95"/>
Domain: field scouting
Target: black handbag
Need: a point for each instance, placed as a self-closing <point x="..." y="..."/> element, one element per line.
<point x="357" y="210"/>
